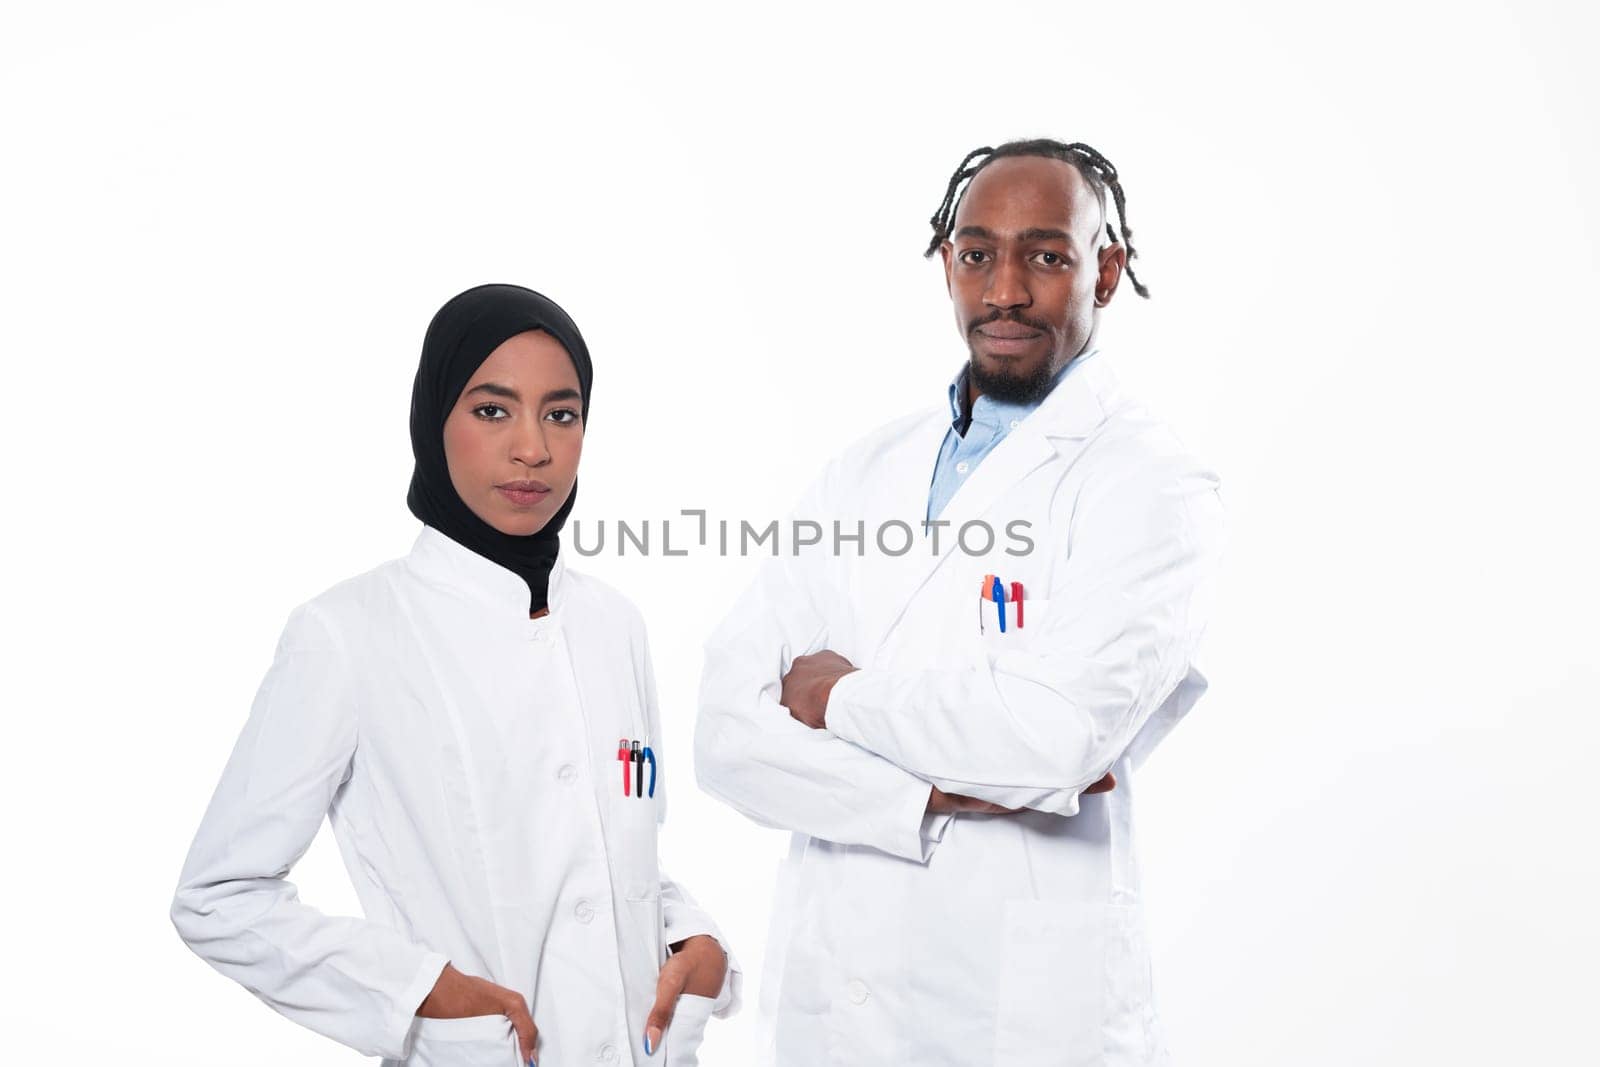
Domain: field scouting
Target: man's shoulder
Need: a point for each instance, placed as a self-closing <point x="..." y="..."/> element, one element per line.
<point x="1134" y="453"/>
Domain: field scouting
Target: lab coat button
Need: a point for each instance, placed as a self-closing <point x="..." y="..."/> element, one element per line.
<point x="1015" y="423"/>
<point x="961" y="468"/>
<point x="858" y="992"/>
<point x="608" y="1054"/>
<point x="567" y="772"/>
<point x="584" y="911"/>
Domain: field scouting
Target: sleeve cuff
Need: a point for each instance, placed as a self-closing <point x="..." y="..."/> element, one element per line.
<point x="933" y="826"/>
<point x="398" y="1047"/>
<point x="840" y="713"/>
<point x="731" y="995"/>
<point x="910" y="832"/>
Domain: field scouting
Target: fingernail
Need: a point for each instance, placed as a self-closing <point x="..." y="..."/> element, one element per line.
<point x="652" y="1040"/>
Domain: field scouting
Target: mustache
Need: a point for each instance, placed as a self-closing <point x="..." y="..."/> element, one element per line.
<point x="1000" y="316"/>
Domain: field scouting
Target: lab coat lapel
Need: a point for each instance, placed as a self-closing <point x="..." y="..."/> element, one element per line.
<point x="1056" y="432"/>
<point x="898" y="494"/>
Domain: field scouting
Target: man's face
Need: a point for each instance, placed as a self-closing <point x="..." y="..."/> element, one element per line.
<point x="1025" y="275"/>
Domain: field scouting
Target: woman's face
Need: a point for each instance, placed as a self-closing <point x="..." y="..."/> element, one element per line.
<point x="513" y="439"/>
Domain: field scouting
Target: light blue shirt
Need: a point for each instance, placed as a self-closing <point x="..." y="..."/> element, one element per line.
<point x="992" y="420"/>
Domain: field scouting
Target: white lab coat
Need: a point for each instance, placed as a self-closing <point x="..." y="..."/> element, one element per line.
<point x="466" y="757"/>
<point x="1012" y="939"/>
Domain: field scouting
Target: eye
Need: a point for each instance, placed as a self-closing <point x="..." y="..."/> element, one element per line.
<point x="563" y="416"/>
<point x="487" y="412"/>
<point x="1052" y="259"/>
<point x="973" y="256"/>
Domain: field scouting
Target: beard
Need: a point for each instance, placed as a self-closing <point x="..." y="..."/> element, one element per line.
<point x="1026" y="387"/>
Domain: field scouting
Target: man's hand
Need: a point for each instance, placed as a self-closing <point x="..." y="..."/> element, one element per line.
<point x="462" y="996"/>
<point x="942" y="803"/>
<point x="808" y="684"/>
<point x="1104" y="785"/>
<point x="697" y="966"/>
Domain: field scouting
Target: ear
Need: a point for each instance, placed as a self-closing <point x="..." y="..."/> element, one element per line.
<point x="1113" y="257"/>
<point x="946" y="253"/>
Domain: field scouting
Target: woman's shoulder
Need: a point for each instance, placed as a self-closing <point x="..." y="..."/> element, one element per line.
<point x="594" y="596"/>
<point x="349" y="606"/>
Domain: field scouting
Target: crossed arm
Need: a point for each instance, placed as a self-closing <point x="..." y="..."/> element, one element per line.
<point x="805" y="692"/>
<point x="794" y="736"/>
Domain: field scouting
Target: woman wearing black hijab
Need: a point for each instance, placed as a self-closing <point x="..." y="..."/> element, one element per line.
<point x="459" y="716"/>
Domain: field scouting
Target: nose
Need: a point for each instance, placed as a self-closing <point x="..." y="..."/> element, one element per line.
<point x="1008" y="286"/>
<point x="528" y="446"/>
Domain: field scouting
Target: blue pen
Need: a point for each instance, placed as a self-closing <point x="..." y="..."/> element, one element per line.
<point x="999" y="596"/>
<point x="651" y="757"/>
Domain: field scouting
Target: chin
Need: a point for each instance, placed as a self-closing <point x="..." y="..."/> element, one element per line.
<point x="1010" y="379"/>
<point x="520" y="523"/>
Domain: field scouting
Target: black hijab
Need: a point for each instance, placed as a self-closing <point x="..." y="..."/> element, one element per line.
<point x="459" y="339"/>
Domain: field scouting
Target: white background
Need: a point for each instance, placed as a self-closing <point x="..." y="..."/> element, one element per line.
<point x="1371" y="236"/>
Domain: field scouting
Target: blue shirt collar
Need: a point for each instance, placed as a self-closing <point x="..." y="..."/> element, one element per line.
<point x="997" y="413"/>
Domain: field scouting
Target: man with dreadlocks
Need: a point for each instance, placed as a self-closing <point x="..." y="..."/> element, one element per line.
<point x="950" y="724"/>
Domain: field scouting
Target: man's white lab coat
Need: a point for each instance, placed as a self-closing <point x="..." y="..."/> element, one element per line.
<point x="1007" y="939"/>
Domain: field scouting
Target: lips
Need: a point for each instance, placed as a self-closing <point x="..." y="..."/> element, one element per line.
<point x="999" y="340"/>
<point x="523" y="493"/>
<point x="1008" y="331"/>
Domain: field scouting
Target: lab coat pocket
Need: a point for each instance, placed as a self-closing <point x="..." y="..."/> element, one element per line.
<point x="1065" y="966"/>
<point x="477" y="1041"/>
<point x="633" y="828"/>
<point x="687" y="1030"/>
<point x="992" y="640"/>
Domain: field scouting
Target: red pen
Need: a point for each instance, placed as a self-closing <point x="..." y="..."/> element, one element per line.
<point x="625" y="754"/>
<point x="1016" y="595"/>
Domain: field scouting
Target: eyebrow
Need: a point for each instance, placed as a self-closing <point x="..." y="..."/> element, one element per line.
<point x="507" y="393"/>
<point x="1035" y="233"/>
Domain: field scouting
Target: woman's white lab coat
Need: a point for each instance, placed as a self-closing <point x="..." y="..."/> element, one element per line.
<point x="466" y="756"/>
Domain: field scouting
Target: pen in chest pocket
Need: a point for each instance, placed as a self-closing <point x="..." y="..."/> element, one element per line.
<point x="633" y="755"/>
<point x="992" y="589"/>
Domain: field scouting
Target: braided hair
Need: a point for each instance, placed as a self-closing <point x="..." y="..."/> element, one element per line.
<point x="1095" y="168"/>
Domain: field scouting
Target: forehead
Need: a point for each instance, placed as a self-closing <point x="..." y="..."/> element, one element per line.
<point x="532" y="356"/>
<point x="1028" y="192"/>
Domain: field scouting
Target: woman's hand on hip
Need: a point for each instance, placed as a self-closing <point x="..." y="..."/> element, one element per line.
<point x="697" y="966"/>
<point x="462" y="996"/>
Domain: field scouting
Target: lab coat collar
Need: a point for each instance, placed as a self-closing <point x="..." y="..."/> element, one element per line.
<point x="1055" y="432"/>
<point x="436" y="558"/>
<point x="1077" y="407"/>
<point x="1070" y="412"/>
<point x="987" y="409"/>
